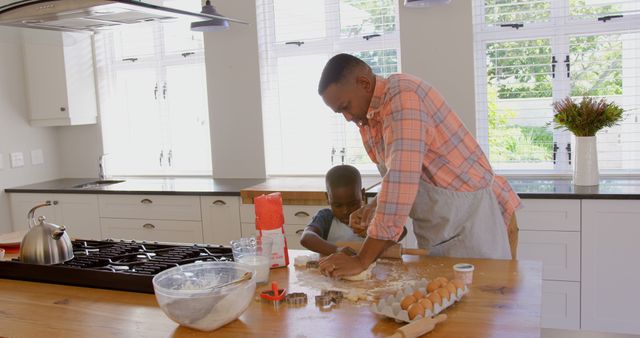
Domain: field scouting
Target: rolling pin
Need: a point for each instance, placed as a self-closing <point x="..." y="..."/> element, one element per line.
<point x="394" y="251"/>
<point x="418" y="327"/>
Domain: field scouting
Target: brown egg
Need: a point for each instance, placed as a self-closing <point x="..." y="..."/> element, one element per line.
<point x="452" y="288"/>
<point x="433" y="285"/>
<point x="426" y="304"/>
<point x="443" y="280"/>
<point x="406" y="301"/>
<point x="443" y="292"/>
<point x="417" y="294"/>
<point x="435" y="298"/>
<point x="458" y="283"/>
<point x="415" y="309"/>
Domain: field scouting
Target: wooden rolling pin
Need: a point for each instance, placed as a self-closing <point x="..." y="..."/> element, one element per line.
<point x="418" y="327"/>
<point x="395" y="251"/>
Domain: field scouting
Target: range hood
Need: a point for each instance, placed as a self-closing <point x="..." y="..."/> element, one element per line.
<point x="91" y="15"/>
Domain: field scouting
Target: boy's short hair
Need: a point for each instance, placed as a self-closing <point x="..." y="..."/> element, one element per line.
<point x="337" y="68"/>
<point x="343" y="176"/>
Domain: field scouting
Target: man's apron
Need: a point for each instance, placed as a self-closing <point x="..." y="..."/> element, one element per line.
<point x="458" y="224"/>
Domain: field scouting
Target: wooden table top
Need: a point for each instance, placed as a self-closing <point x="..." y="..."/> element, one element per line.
<point x="298" y="190"/>
<point x="504" y="301"/>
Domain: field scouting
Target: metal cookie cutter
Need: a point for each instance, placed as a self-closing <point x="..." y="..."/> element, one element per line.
<point x="296" y="298"/>
<point x="313" y="265"/>
<point x="323" y="300"/>
<point x="335" y="295"/>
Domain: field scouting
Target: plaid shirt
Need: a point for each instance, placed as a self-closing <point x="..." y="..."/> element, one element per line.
<point x="420" y="138"/>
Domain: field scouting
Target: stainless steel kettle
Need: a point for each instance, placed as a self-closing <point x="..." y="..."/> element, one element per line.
<point x="45" y="243"/>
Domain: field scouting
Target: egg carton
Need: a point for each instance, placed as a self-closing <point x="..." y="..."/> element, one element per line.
<point x="390" y="305"/>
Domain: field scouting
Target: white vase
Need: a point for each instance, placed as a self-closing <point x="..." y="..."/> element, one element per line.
<point x="585" y="166"/>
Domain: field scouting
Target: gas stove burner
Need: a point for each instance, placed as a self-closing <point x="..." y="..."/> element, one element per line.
<point x="119" y="265"/>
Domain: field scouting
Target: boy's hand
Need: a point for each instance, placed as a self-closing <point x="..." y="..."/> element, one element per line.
<point x="359" y="220"/>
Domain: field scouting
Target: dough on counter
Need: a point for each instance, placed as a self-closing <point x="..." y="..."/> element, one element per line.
<point x="364" y="275"/>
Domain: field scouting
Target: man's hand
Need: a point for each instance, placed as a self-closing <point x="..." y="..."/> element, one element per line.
<point x="359" y="220"/>
<point x="340" y="264"/>
<point x="347" y="250"/>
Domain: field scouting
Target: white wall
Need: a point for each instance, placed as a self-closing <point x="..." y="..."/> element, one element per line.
<point x="437" y="46"/>
<point x="16" y="135"/>
<point x="233" y="84"/>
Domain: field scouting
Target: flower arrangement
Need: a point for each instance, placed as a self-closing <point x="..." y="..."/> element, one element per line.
<point x="587" y="117"/>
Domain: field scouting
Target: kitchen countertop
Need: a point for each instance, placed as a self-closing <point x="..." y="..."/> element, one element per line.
<point x="144" y="186"/>
<point x="311" y="190"/>
<point x="504" y="301"/>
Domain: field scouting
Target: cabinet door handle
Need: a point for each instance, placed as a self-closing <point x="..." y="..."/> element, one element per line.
<point x="299" y="231"/>
<point x="219" y="202"/>
<point x="148" y="226"/>
<point x="55" y="202"/>
<point x="301" y="214"/>
<point x="146" y="201"/>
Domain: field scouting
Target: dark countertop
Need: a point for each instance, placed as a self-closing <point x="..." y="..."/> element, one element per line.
<point x="562" y="188"/>
<point x="144" y="186"/>
<point x="544" y="188"/>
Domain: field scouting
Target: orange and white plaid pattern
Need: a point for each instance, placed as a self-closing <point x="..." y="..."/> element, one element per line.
<point x="420" y="138"/>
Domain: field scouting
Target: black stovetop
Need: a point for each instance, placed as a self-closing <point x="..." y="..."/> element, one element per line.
<point x="116" y="265"/>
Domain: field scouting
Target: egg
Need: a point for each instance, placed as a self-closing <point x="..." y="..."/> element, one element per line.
<point x="443" y="292"/>
<point x="458" y="283"/>
<point x="417" y="294"/>
<point x="443" y="280"/>
<point x="426" y="304"/>
<point x="452" y="288"/>
<point x="435" y="298"/>
<point x="415" y="309"/>
<point x="406" y="301"/>
<point x="433" y="285"/>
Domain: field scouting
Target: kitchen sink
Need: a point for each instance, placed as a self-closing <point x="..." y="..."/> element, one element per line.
<point x="97" y="184"/>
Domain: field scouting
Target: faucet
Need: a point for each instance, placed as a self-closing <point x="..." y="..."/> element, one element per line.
<point x="101" y="173"/>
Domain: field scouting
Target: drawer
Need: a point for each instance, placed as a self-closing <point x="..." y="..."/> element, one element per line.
<point x="150" y="207"/>
<point x="220" y="219"/>
<point x="152" y="230"/>
<point x="560" y="305"/>
<point x="559" y="252"/>
<point x="293" y="214"/>
<point x="545" y="214"/>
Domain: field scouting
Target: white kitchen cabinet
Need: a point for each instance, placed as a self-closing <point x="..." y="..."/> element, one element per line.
<point x="560" y="305"/>
<point x="549" y="215"/>
<point x="610" y="274"/>
<point x="151" y="218"/>
<point x="60" y="78"/>
<point x="77" y="212"/>
<point x="558" y="251"/>
<point x="152" y="230"/>
<point x="550" y="233"/>
<point x="220" y="219"/>
<point x="151" y="207"/>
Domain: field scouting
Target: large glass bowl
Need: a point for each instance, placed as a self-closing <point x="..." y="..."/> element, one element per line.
<point x="186" y="296"/>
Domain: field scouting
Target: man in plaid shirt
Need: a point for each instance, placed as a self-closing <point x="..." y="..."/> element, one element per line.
<point x="433" y="170"/>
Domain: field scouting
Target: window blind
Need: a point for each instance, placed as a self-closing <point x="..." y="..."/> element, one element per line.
<point x="531" y="53"/>
<point x="302" y="135"/>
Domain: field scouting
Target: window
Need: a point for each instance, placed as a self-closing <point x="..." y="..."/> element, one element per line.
<point x="297" y="38"/>
<point x="530" y="53"/>
<point x="154" y="110"/>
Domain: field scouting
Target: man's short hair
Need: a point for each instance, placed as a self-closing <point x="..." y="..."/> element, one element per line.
<point x="343" y="176"/>
<point x="337" y="68"/>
